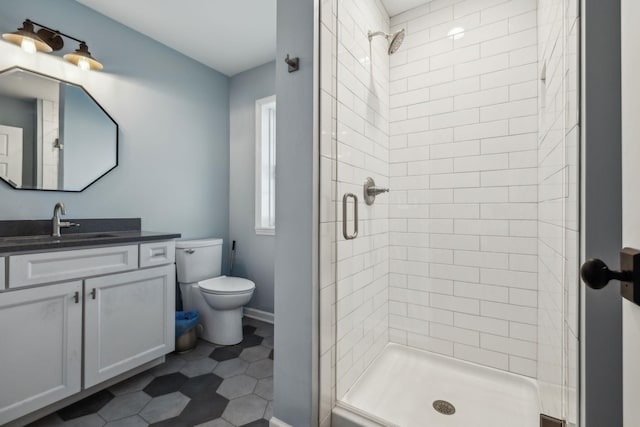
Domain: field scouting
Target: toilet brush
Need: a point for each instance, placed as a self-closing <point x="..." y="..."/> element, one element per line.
<point x="232" y="257"/>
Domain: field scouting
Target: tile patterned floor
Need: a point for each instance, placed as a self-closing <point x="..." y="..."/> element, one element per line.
<point x="211" y="386"/>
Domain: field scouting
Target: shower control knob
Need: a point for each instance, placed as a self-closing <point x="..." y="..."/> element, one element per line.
<point x="371" y="191"/>
<point x="596" y="274"/>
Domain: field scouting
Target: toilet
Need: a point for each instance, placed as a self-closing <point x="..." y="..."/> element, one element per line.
<point x="218" y="299"/>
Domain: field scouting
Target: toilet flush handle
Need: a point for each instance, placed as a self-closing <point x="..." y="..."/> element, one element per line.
<point x="189" y="251"/>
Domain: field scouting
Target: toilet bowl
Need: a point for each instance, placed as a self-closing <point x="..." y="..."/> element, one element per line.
<point x="218" y="299"/>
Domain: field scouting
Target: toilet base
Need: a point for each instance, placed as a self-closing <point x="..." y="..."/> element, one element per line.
<point x="223" y="327"/>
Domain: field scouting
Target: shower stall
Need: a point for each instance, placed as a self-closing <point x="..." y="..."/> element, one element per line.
<point x="452" y="299"/>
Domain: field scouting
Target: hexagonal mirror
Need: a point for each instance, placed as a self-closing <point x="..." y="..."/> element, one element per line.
<point x="53" y="134"/>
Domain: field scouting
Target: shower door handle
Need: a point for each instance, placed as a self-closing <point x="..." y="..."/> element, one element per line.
<point x="345" y="204"/>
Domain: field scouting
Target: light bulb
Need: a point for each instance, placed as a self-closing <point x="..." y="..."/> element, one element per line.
<point x="28" y="45"/>
<point x="83" y="64"/>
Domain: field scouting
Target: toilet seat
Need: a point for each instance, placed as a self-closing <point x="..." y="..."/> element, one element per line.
<point x="225" y="285"/>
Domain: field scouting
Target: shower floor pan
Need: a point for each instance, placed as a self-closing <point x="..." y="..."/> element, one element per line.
<point x="402" y="384"/>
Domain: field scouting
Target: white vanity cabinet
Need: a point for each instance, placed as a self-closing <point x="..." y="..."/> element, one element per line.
<point x="129" y="320"/>
<point x="41" y="347"/>
<point x="73" y="319"/>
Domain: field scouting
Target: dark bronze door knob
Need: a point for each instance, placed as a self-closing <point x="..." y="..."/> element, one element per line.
<point x="596" y="274"/>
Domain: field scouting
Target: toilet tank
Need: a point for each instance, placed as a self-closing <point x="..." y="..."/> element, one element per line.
<point x="197" y="260"/>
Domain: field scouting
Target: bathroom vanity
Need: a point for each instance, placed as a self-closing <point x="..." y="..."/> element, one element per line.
<point x="80" y="312"/>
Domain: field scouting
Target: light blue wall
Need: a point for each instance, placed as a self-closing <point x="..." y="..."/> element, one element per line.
<point x="173" y="114"/>
<point x="254" y="254"/>
<point x="296" y="271"/>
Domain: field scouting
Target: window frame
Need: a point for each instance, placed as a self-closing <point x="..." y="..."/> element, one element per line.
<point x="265" y="110"/>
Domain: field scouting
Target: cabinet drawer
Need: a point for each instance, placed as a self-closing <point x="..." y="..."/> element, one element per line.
<point x="2" y="273"/>
<point x="34" y="269"/>
<point x="157" y="253"/>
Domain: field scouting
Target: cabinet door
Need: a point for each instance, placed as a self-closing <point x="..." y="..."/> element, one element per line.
<point x="129" y="320"/>
<point x="40" y="347"/>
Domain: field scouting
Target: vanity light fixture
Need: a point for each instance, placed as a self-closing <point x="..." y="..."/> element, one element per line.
<point x="49" y="40"/>
<point x="83" y="59"/>
<point x="26" y="38"/>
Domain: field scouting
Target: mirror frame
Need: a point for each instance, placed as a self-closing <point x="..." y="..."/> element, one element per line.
<point x="16" y="67"/>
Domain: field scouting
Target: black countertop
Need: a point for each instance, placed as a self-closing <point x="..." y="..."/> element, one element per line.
<point x="35" y="235"/>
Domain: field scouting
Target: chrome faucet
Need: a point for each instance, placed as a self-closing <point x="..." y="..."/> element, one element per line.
<point x="55" y="221"/>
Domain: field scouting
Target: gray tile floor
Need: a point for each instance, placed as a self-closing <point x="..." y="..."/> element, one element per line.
<point x="211" y="386"/>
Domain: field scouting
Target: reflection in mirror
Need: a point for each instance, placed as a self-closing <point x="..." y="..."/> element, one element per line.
<point x="53" y="134"/>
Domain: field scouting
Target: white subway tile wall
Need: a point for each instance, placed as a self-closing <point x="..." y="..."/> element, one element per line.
<point x="558" y="176"/>
<point x="354" y="121"/>
<point x="363" y="110"/>
<point x="463" y="153"/>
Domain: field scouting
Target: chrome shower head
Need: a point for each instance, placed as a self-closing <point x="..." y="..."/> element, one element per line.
<point x="395" y="39"/>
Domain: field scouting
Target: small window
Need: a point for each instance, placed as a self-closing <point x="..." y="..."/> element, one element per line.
<point x="266" y="165"/>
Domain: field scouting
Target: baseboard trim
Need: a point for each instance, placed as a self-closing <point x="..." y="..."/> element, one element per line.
<point x="254" y="313"/>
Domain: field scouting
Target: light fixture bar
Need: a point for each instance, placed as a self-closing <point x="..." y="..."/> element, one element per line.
<point x="56" y="32"/>
<point x="47" y="40"/>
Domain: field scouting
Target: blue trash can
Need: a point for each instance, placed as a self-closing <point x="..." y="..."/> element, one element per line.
<point x="186" y="337"/>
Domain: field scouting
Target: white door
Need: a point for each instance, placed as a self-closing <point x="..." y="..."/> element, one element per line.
<point x="40" y="347"/>
<point x="129" y="320"/>
<point x="11" y="154"/>
<point x="630" y="202"/>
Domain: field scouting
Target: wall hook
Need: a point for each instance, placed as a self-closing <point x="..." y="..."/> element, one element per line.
<point x="293" y="63"/>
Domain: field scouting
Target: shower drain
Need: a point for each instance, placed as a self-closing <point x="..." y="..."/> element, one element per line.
<point x="444" y="407"/>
